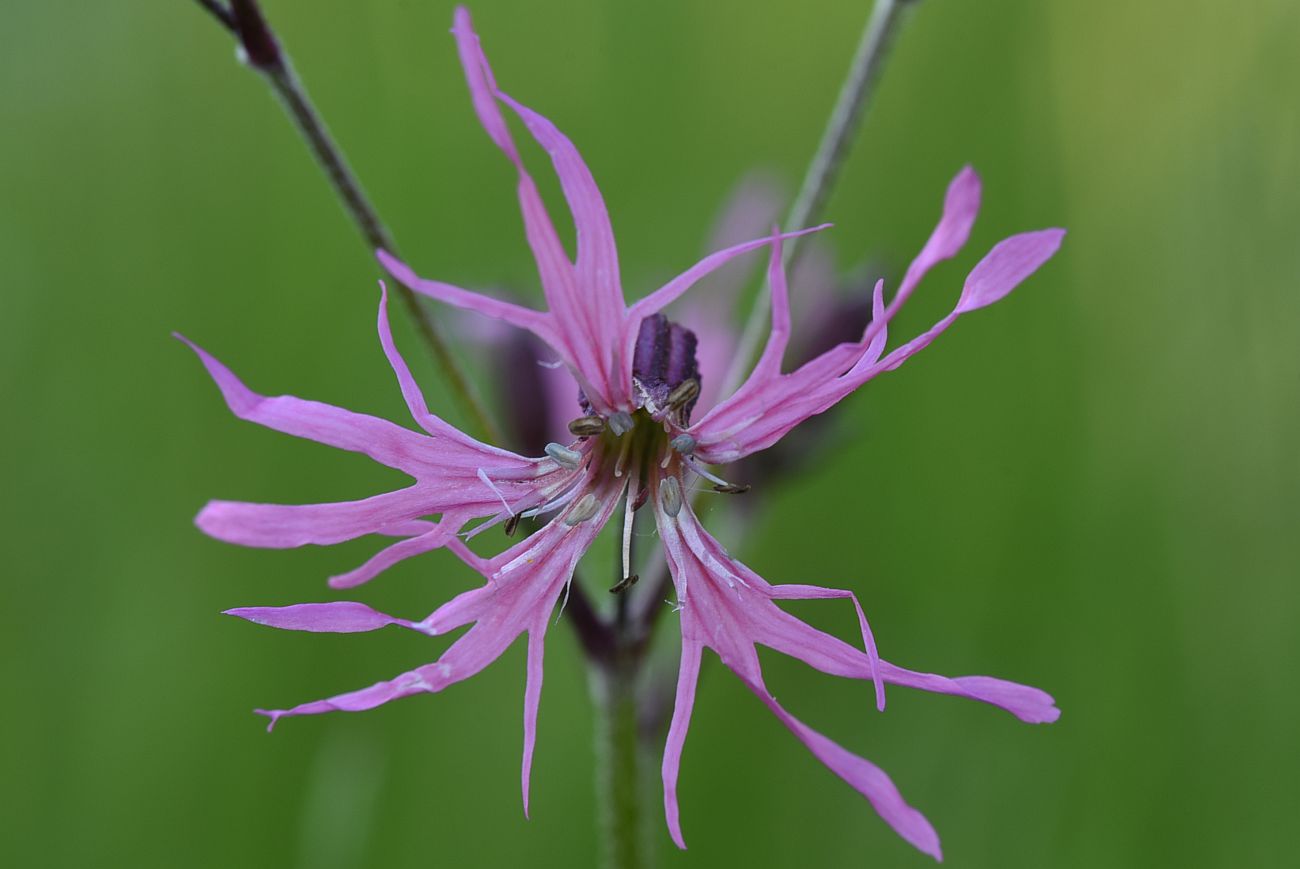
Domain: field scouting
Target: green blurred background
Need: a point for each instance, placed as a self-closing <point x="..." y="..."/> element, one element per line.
<point x="1093" y="487"/>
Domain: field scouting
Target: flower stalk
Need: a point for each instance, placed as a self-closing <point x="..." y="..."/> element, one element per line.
<point x="623" y="764"/>
<point x="262" y="51"/>
<point x="854" y="99"/>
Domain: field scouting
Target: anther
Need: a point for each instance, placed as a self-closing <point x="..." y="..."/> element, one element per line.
<point x="620" y="423"/>
<point x="586" y="426"/>
<point x="670" y="495"/>
<point x="732" y="489"/>
<point x="624" y="584"/>
<point x="683" y="393"/>
<point x="683" y="443"/>
<point x="582" y="511"/>
<point x="511" y="524"/>
<point x="642" y="496"/>
<point x="564" y="456"/>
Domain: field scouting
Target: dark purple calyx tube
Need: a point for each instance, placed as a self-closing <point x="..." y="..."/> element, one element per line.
<point x="665" y="359"/>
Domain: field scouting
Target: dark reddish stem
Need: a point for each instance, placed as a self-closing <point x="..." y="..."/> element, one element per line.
<point x="263" y="53"/>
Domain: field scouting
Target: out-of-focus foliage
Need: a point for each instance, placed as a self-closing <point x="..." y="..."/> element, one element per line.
<point x="1092" y="487"/>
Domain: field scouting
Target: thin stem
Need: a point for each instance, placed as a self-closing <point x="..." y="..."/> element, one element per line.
<point x="220" y="12"/>
<point x="262" y="52"/>
<point x="854" y="99"/>
<point x="819" y="179"/>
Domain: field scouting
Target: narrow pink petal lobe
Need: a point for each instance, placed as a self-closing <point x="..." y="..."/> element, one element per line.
<point x="961" y="205"/>
<point x="395" y="553"/>
<point x="1006" y="265"/>
<point x="337" y="617"/>
<point x="286" y="526"/>
<point x="864" y="777"/>
<point x="532" y="700"/>
<point x="688" y="675"/>
<point x="377" y="438"/>
<point x="515" y="315"/>
<point x="769" y="404"/>
<point x="727" y="607"/>
<point x="586" y="302"/>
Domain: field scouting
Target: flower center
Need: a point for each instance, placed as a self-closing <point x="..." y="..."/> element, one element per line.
<point x="664" y="366"/>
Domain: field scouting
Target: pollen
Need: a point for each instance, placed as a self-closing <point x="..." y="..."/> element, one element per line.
<point x="683" y="443"/>
<point x="586" y="426"/>
<point x="670" y="495"/>
<point x="621" y="423"/>
<point x="582" y="511"/>
<point x="564" y="456"/>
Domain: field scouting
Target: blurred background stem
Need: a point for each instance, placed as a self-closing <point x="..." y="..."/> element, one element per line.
<point x="850" y="107"/>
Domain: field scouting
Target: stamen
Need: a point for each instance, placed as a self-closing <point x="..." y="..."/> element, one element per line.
<point x="719" y="485"/>
<point x="482" y="475"/>
<point x="511" y="524"/>
<point x="684" y="392"/>
<point x="582" y="511"/>
<point x="620" y="423"/>
<point x="564" y="456"/>
<point x="624" y="584"/>
<point x="586" y="426"/>
<point x="683" y="443"/>
<point x="554" y="504"/>
<point x="629" y="516"/>
<point x="622" y="457"/>
<point x="670" y="495"/>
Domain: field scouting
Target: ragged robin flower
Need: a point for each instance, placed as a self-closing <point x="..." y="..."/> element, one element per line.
<point x="634" y="443"/>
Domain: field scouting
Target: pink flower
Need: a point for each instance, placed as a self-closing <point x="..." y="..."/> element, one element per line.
<point x="634" y="443"/>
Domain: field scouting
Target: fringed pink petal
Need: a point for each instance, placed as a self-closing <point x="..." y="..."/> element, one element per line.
<point x="727" y="607"/>
<point x="419" y="408"/>
<point x="479" y="647"/>
<point x="1029" y="704"/>
<point x="770" y="404"/>
<point x="379" y="439"/>
<point x="671" y="291"/>
<point x="285" y="526"/>
<point x="769" y="364"/>
<point x="571" y="328"/>
<point x="396" y="552"/>
<point x="688" y="675"/>
<point x="777" y="629"/>
<point x="1007" y="265"/>
<point x="814" y="592"/>
<point x="862" y="775"/>
<point x="336" y="617"/>
<point x="532" y="700"/>
<point x="534" y="321"/>
<point x="597" y="260"/>
<point x="710" y="311"/>
<point x="415" y="681"/>
<point x="961" y="205"/>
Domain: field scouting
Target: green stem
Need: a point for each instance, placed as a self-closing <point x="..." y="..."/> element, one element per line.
<point x="622" y="766"/>
<point x="854" y="99"/>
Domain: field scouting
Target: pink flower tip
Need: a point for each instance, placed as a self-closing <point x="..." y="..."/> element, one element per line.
<point x="1006" y="266"/>
<point x="273" y="714"/>
<point x="1031" y="705"/>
